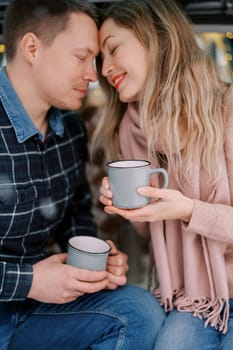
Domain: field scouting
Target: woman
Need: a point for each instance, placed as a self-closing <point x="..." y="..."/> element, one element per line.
<point x="166" y="102"/>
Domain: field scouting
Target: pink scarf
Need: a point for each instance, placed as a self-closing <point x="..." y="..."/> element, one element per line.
<point x="190" y="268"/>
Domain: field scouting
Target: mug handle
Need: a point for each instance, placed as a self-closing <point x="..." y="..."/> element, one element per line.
<point x="163" y="172"/>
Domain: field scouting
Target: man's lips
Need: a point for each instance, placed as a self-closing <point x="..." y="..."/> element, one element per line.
<point x="117" y="80"/>
<point x="81" y="92"/>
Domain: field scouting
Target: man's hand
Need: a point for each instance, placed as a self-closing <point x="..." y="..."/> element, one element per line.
<point x="116" y="267"/>
<point x="56" y="282"/>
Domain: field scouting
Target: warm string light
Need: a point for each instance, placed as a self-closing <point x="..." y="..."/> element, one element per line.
<point x="229" y="35"/>
<point x="220" y="46"/>
<point x="2" y="48"/>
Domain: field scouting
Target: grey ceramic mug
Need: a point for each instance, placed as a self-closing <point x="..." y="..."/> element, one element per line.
<point x="126" y="176"/>
<point x="87" y="252"/>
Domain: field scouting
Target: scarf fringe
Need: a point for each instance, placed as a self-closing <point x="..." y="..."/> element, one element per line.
<point x="215" y="312"/>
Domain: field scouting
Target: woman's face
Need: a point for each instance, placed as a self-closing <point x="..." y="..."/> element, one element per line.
<point x="124" y="60"/>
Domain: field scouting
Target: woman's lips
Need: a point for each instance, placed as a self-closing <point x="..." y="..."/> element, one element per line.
<point x="117" y="80"/>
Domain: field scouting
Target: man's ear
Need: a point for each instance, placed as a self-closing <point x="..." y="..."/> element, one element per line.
<point x="29" y="46"/>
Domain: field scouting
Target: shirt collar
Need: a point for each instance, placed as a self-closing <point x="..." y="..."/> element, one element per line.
<point x="19" y="118"/>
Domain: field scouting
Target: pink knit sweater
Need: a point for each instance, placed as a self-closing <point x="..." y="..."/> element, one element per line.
<point x="194" y="262"/>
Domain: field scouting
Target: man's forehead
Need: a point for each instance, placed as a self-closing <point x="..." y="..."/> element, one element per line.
<point x="84" y="31"/>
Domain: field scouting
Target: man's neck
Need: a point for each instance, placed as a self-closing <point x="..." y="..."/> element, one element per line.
<point x="35" y="107"/>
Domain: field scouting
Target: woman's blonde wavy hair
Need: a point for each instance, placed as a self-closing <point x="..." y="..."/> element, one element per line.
<point x="181" y="106"/>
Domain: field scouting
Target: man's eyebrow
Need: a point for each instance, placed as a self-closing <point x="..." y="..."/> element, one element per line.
<point x="87" y="50"/>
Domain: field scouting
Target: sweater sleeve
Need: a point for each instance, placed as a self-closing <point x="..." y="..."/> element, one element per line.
<point x="214" y="221"/>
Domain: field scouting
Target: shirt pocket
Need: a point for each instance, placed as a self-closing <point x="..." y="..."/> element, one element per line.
<point x="11" y="195"/>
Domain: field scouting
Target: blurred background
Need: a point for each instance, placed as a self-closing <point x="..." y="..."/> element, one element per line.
<point x="213" y="23"/>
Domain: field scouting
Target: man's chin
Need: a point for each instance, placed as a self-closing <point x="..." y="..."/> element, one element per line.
<point x="74" y="106"/>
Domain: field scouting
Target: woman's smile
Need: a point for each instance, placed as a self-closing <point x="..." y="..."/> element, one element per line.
<point x="118" y="79"/>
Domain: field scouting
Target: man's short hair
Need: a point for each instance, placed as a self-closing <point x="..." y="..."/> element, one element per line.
<point x="44" y="18"/>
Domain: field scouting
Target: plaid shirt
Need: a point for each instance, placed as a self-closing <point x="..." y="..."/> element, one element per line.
<point x="43" y="189"/>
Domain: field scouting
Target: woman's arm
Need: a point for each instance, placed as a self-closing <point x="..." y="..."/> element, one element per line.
<point x="212" y="220"/>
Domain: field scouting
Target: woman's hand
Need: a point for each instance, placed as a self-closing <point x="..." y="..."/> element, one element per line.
<point x="116" y="267"/>
<point x="106" y="194"/>
<point x="166" y="204"/>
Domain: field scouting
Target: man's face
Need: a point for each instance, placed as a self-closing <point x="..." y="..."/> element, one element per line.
<point x="64" y="69"/>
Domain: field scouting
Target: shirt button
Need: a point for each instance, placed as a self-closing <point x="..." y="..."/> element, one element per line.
<point x="22" y="197"/>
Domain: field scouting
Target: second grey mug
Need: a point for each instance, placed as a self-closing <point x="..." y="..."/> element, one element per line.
<point x="87" y="252"/>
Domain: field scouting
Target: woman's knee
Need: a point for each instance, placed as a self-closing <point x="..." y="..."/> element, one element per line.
<point x="182" y="331"/>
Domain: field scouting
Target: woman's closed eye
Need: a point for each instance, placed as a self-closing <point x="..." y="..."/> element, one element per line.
<point x="113" y="50"/>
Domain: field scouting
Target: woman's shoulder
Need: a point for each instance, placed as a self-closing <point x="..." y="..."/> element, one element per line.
<point x="228" y="105"/>
<point x="228" y="96"/>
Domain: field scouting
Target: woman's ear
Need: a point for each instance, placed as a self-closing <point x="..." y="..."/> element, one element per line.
<point x="29" y="46"/>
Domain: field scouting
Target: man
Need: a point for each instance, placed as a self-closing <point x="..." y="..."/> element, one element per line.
<point x="44" y="303"/>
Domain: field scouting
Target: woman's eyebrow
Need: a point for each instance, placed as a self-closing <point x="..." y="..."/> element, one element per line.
<point x="106" y="39"/>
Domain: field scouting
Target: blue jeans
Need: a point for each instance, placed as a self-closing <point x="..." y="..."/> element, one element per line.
<point x="183" y="331"/>
<point x="127" y="318"/>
